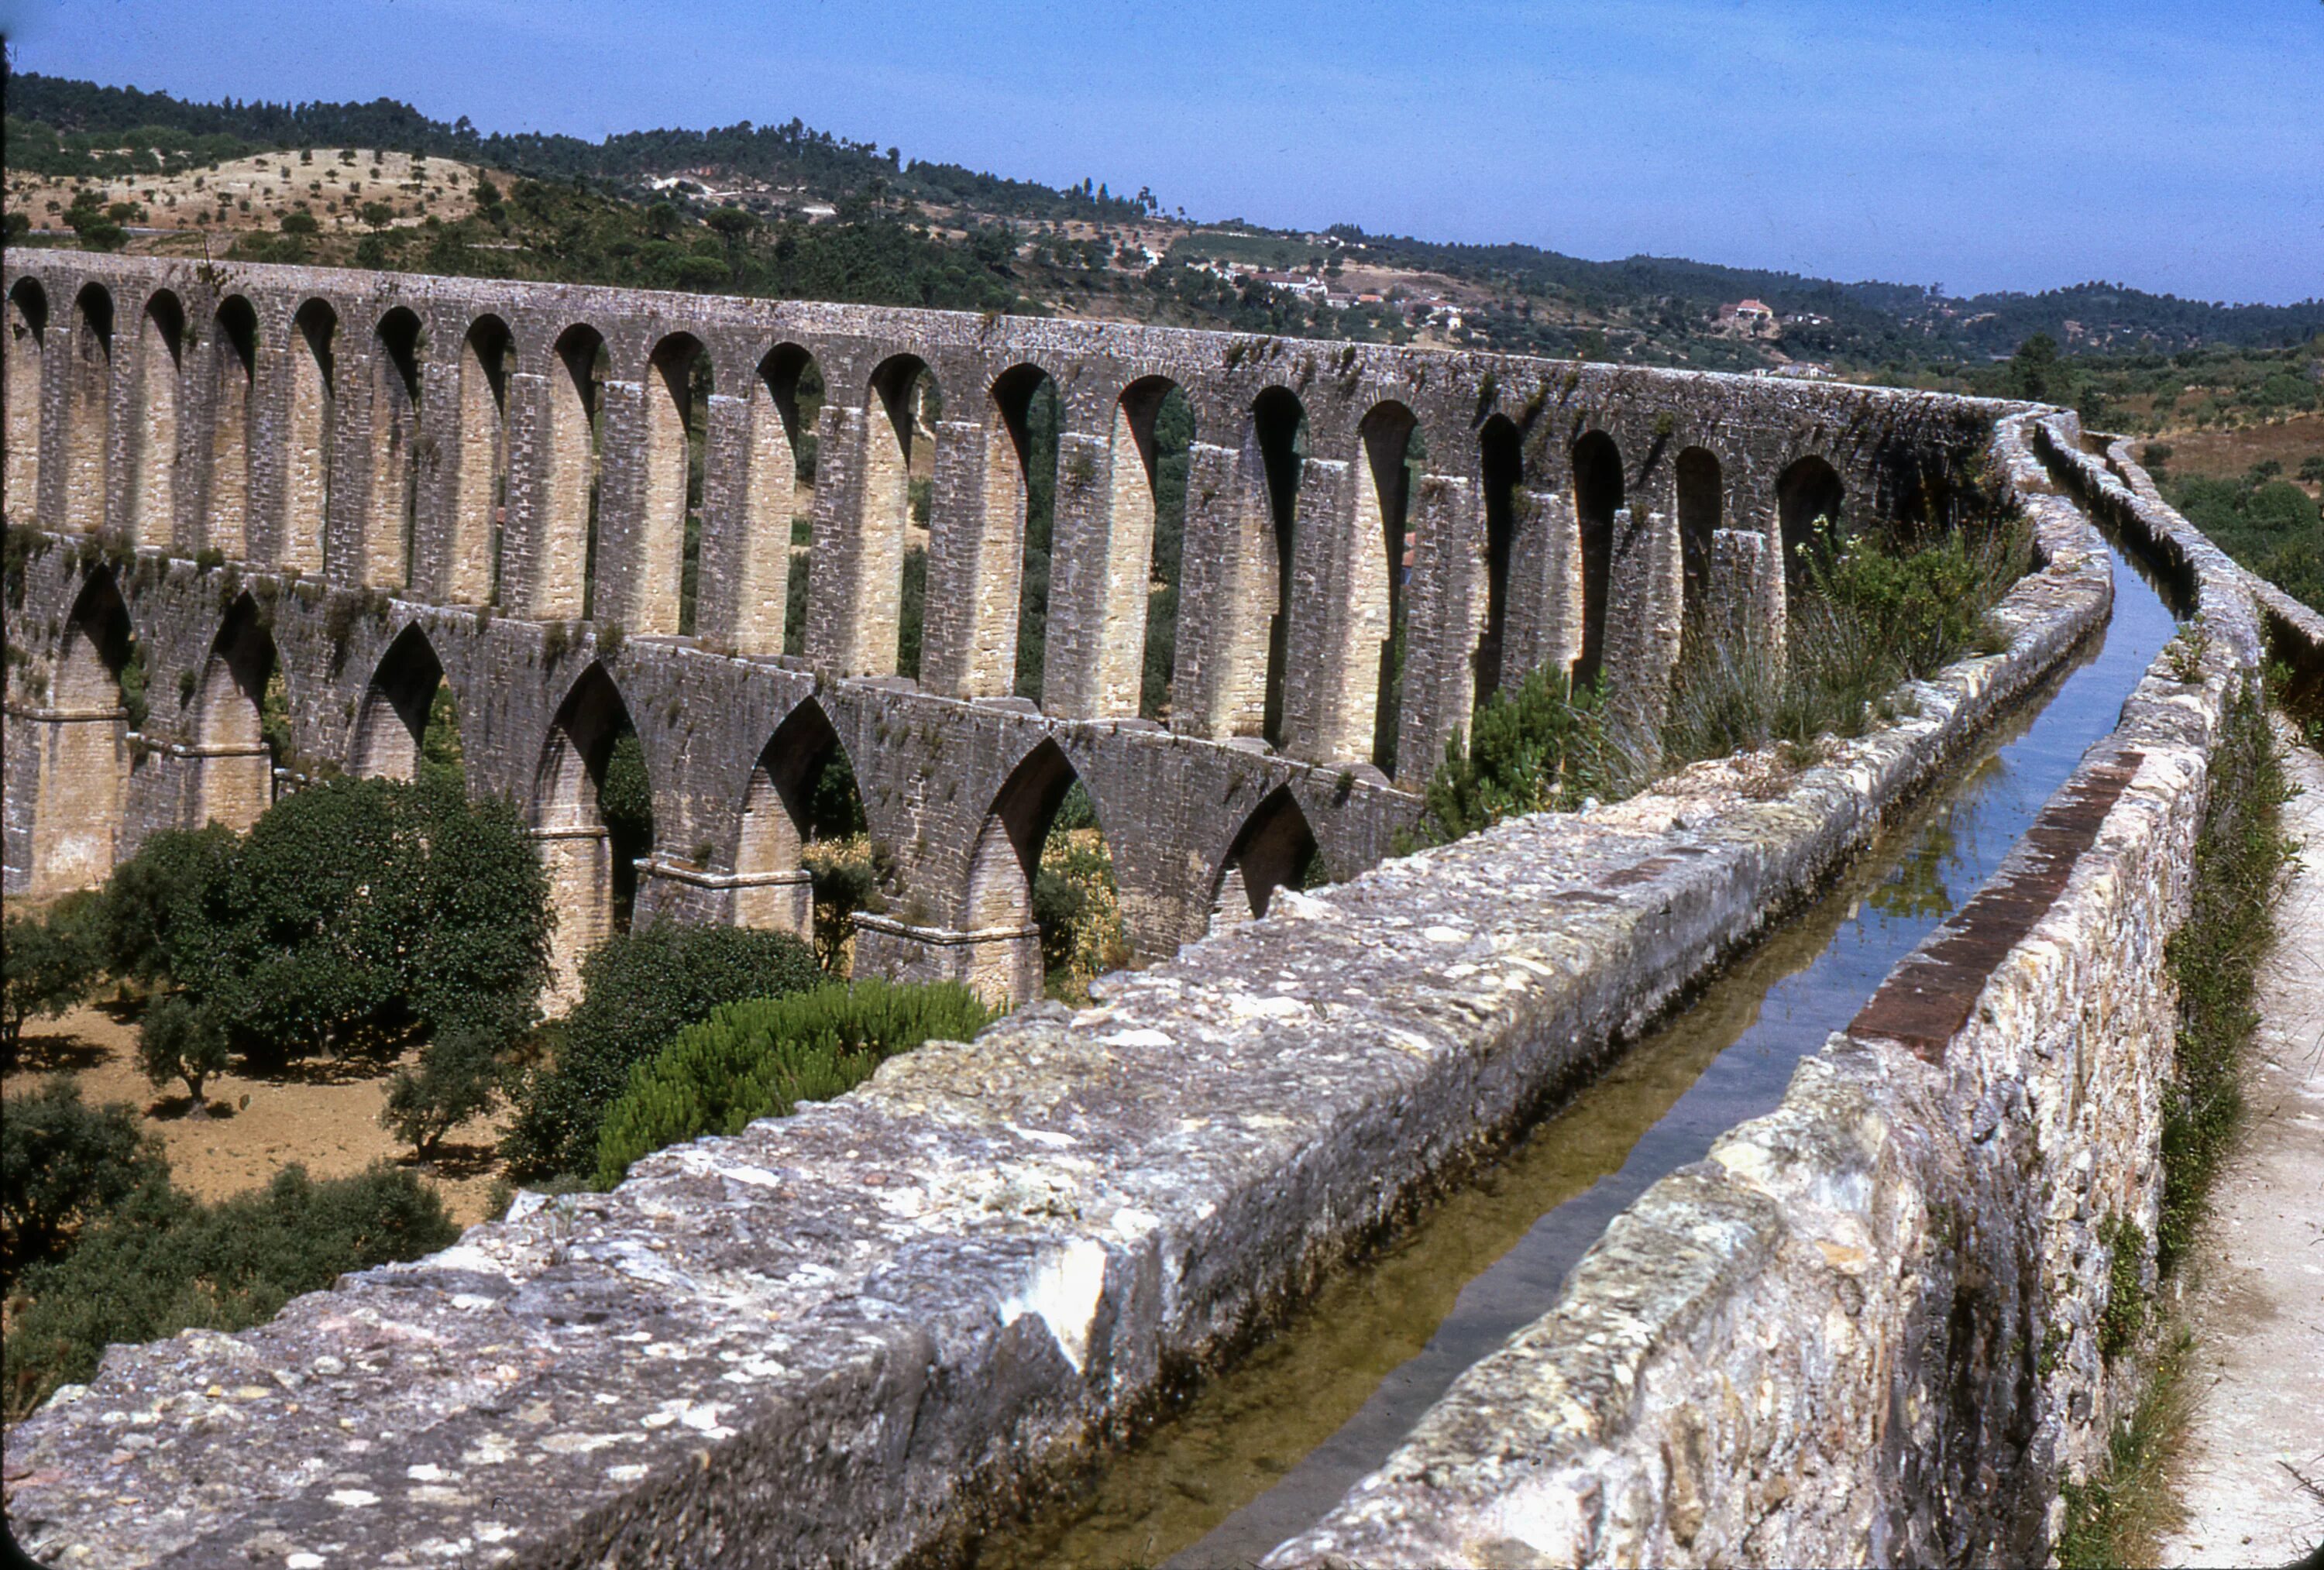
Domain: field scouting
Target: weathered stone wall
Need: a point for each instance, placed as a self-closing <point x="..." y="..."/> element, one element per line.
<point x="1865" y="1329"/>
<point x="854" y="1334"/>
<point x="324" y="433"/>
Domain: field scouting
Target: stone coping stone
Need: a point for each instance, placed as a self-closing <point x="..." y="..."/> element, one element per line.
<point x="1865" y="1328"/>
<point x="855" y="1335"/>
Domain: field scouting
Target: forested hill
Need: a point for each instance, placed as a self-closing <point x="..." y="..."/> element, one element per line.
<point x="84" y="114"/>
<point x="1004" y="244"/>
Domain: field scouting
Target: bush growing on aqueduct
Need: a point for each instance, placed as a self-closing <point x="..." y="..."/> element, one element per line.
<point x="637" y="992"/>
<point x="761" y="1058"/>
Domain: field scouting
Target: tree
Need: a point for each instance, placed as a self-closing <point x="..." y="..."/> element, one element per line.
<point x="62" y="1163"/>
<point x="457" y="1078"/>
<point x="178" y="1040"/>
<point x="378" y="215"/>
<point x="46" y="967"/>
<point x="637" y="992"/>
<point x="2035" y="373"/>
<point x="300" y="221"/>
<point x="152" y="904"/>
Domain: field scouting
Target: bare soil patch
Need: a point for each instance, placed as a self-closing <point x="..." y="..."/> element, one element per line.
<point x="2230" y="454"/>
<point x="324" y="1115"/>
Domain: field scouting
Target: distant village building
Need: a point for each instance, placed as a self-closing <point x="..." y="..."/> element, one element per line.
<point x="1749" y="315"/>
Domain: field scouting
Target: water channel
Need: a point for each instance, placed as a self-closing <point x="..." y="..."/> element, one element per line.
<point x="1270" y="1445"/>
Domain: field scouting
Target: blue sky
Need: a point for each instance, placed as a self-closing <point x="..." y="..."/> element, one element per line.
<point x="2177" y="147"/>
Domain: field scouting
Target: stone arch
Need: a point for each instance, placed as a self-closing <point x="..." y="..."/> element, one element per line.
<point x="153" y="439"/>
<point x="389" y="545"/>
<point x="233" y="374"/>
<point x="28" y="334"/>
<point x="80" y="746"/>
<point x="1275" y="453"/>
<point x="588" y="882"/>
<point x="1809" y="503"/>
<point x="237" y="764"/>
<point x="480" y="491"/>
<point x="393" y="716"/>
<point x="1701" y="497"/>
<point x="785" y="397"/>
<point x="1501" y="463"/>
<point x="1020" y="480"/>
<point x="1153" y="425"/>
<point x="308" y="420"/>
<point x="1598" y="498"/>
<point x="567" y="565"/>
<point x="88" y="412"/>
<point x="774" y="888"/>
<point x="891" y="550"/>
<point x="677" y="400"/>
<point x="1276" y="846"/>
<point x="1360" y="697"/>
<point x="1003" y="865"/>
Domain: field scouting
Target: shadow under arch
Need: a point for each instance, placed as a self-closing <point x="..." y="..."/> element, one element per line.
<point x="153" y="454"/>
<point x="88" y="412"/>
<point x="391" y="738"/>
<point x="801" y="792"/>
<point x="233" y="378"/>
<point x="1809" y="502"/>
<point x="898" y="468"/>
<point x="1598" y="497"/>
<point x="236" y="762"/>
<point x="1276" y="846"/>
<point x="1005" y="868"/>
<point x="80" y="746"/>
<point x="1278" y="443"/>
<point x="1021" y="487"/>
<point x="593" y="817"/>
<point x="785" y="397"/>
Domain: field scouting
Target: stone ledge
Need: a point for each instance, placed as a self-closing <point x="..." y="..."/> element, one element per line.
<point x="1865" y="1329"/>
<point x="849" y="1335"/>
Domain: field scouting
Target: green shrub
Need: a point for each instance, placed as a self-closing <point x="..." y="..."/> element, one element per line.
<point x="47" y="965"/>
<point x="458" y="1078"/>
<point x="638" y="991"/>
<point x="62" y="1163"/>
<point x="160" y="1263"/>
<point x="2240" y="856"/>
<point x="152" y="902"/>
<point x="1536" y="749"/>
<point x="178" y="1040"/>
<point x="761" y="1058"/>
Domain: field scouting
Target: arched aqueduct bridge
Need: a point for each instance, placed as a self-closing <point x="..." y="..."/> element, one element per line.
<point x="372" y="486"/>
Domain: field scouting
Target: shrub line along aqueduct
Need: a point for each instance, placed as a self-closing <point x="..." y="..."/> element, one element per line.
<point x="1866" y="1329"/>
<point x="482" y="459"/>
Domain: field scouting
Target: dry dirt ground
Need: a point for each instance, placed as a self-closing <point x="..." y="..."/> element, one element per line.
<point x="2229" y="453"/>
<point x="324" y="1114"/>
<point x="2249" y="1473"/>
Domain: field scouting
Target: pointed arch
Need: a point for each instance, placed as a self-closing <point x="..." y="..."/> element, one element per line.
<point x="393" y="717"/>
<point x="153" y="437"/>
<point x="677" y="398"/>
<point x="1701" y="496"/>
<point x="233" y="374"/>
<point x="1275" y="455"/>
<point x="1020" y="480"/>
<point x="80" y="746"/>
<point x="783" y="812"/>
<point x="237" y="766"/>
<point x="1598" y="498"/>
<point x="891" y="530"/>
<point x="88" y="412"/>
<point x="1071" y="941"/>
<point x="389" y="531"/>
<point x="1275" y="848"/>
<point x="1007" y="857"/>
<point x="591" y="866"/>
<point x="28" y="334"/>
<point x="1358" y="686"/>
<point x="568" y="565"/>
<point x="481" y="489"/>
<point x="786" y="397"/>
<point x="1809" y="502"/>
<point x="309" y="422"/>
<point x="1500" y="462"/>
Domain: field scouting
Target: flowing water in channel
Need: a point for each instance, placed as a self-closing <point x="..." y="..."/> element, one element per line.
<point x="1271" y="1445"/>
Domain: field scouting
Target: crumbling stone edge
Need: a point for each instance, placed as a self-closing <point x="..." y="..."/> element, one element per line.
<point x="1864" y="1330"/>
<point x="854" y="1336"/>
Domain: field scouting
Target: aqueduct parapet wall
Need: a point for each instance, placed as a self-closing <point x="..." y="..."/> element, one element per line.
<point x="371" y="482"/>
<point x="855" y="1335"/>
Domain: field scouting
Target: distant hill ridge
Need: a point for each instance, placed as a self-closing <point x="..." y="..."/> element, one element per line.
<point x="59" y="126"/>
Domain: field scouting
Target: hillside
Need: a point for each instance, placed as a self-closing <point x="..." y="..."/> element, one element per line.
<point x="787" y="210"/>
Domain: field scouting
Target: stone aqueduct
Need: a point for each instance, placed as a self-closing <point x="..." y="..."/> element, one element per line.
<point x="374" y="484"/>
